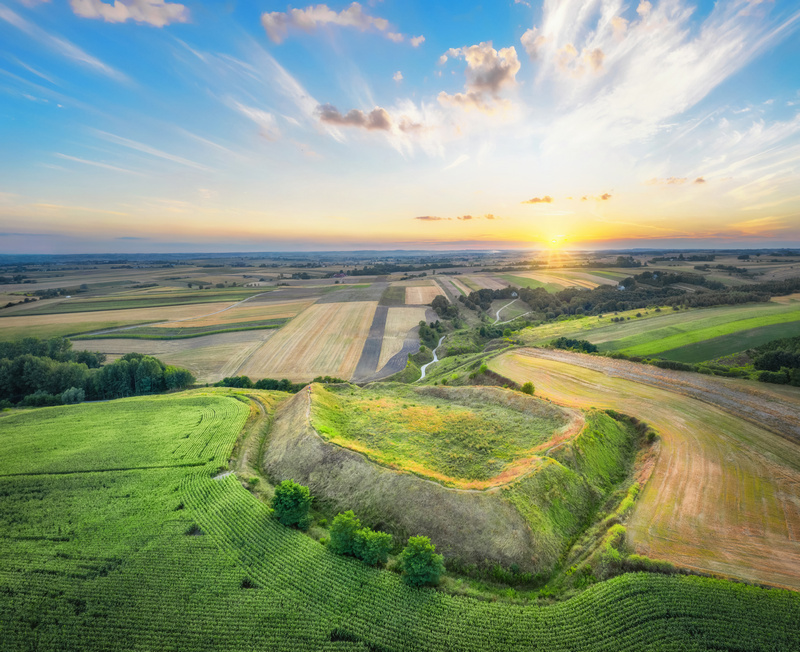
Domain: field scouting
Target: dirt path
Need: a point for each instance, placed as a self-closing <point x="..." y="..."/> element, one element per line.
<point x="724" y="496"/>
<point x="501" y="310"/>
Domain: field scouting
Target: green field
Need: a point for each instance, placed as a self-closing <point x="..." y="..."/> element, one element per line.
<point x="170" y="558"/>
<point x="723" y="329"/>
<point x="522" y="282"/>
<point x="473" y="434"/>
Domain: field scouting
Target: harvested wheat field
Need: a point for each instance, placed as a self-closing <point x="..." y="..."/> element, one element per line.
<point x="724" y="496"/>
<point x="398" y="323"/>
<point x="244" y="312"/>
<point x="325" y="339"/>
<point x="422" y="295"/>
<point x="210" y="357"/>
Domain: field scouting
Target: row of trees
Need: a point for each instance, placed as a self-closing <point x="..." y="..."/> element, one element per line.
<point x="283" y="385"/>
<point x="607" y="298"/>
<point x="418" y="561"/>
<point x="48" y="372"/>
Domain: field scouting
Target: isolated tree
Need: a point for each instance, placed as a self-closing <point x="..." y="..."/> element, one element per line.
<point x="419" y="562"/>
<point x="527" y="388"/>
<point x="291" y="503"/>
<point x="343" y="533"/>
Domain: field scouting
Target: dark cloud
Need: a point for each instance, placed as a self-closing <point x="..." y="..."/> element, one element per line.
<point x="378" y="118"/>
<point x="605" y="196"/>
<point x="488" y="72"/>
<point x="432" y="218"/>
<point x="699" y="180"/>
<point x="547" y="199"/>
<point x="463" y="218"/>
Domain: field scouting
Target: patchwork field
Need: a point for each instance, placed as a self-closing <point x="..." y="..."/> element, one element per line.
<point x="723" y="495"/>
<point x="175" y="557"/>
<point x="422" y="295"/>
<point x="70" y="323"/>
<point x="243" y="312"/>
<point x="325" y="339"/>
<point x="399" y="322"/>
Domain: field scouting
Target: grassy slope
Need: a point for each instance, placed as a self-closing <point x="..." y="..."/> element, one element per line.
<point x="467" y="437"/>
<point x="523" y="282"/>
<point x="122" y="575"/>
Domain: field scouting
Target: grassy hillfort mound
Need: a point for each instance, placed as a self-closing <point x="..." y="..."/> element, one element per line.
<point x="408" y="466"/>
<point x="453" y="435"/>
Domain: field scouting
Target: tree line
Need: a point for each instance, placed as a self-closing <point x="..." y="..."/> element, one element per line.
<point x="35" y="372"/>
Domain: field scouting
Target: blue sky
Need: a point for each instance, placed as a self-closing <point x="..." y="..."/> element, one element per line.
<point x="142" y="125"/>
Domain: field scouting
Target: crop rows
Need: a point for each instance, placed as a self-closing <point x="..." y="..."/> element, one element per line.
<point x="124" y="574"/>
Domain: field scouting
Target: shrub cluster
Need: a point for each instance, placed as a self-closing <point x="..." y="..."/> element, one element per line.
<point x="348" y="537"/>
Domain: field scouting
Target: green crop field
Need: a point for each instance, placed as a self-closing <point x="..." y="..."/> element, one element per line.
<point x="657" y="333"/>
<point x="522" y="282"/>
<point x="472" y="435"/>
<point x="169" y="558"/>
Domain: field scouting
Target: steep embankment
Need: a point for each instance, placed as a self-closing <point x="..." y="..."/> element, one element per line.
<point x="528" y="521"/>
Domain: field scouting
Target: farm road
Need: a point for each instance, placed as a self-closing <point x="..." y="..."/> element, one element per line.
<point x="757" y="405"/>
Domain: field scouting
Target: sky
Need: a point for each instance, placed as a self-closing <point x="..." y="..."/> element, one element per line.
<point x="154" y="126"/>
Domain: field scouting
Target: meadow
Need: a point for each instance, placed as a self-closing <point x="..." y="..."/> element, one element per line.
<point x="181" y="558"/>
<point x="471" y="435"/>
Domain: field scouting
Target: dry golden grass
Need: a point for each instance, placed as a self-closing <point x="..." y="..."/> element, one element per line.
<point x="723" y="495"/>
<point x="325" y="339"/>
<point x="245" y="312"/>
<point x="422" y="295"/>
<point x="789" y="298"/>
<point x="398" y="322"/>
<point x="82" y="322"/>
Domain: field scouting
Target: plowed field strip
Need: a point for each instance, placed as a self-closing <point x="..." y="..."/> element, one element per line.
<point x="719" y="496"/>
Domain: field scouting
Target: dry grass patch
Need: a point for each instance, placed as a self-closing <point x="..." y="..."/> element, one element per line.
<point x="487" y="282"/>
<point x="422" y="295"/>
<point x="325" y="339"/>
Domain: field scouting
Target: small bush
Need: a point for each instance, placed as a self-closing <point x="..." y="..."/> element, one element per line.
<point x="73" y="395"/>
<point x="527" y="388"/>
<point x="291" y="503"/>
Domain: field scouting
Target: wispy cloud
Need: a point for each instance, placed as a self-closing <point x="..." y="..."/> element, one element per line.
<point x="60" y="45"/>
<point x="147" y="149"/>
<point x="98" y="164"/>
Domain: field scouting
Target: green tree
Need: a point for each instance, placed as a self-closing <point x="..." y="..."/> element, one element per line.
<point x="373" y="546"/>
<point x="291" y="503"/>
<point x="419" y="562"/>
<point x="527" y="388"/>
<point x="344" y="531"/>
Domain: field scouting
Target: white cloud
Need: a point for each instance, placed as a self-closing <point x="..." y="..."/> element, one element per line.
<point x="398" y="76"/>
<point x="265" y="120"/>
<point x="277" y="23"/>
<point x="97" y="164"/>
<point x="147" y="149"/>
<point x="488" y="73"/>
<point x="153" y="12"/>
<point x="416" y="41"/>
<point x="532" y="41"/>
